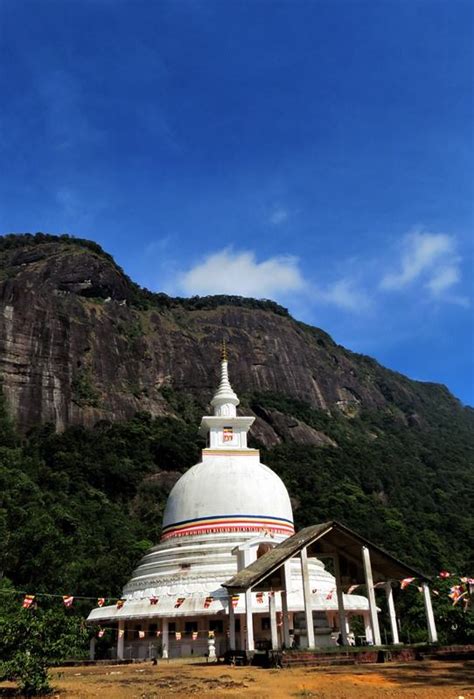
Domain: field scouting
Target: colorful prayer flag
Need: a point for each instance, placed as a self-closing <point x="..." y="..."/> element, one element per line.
<point x="141" y="634"/>
<point x="330" y="594"/>
<point x="179" y="602"/>
<point x="444" y="574"/>
<point x="260" y="597"/>
<point x="158" y="633"/>
<point x="208" y="601"/>
<point x="154" y="600"/>
<point x="210" y="634"/>
<point x="28" y="601"/>
<point x="456" y="593"/>
<point x="101" y="633"/>
<point x="101" y="601"/>
<point x="405" y="582"/>
<point x="235" y="600"/>
<point x="178" y="635"/>
<point x="119" y="604"/>
<point x="352" y="588"/>
<point x="461" y="596"/>
<point x="68" y="600"/>
<point x="121" y="633"/>
<point x="195" y="635"/>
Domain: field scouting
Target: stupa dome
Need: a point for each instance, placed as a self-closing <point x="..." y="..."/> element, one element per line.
<point x="225" y="493"/>
<point x="229" y="490"/>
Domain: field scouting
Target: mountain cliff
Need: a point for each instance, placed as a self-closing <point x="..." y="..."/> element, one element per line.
<point x="79" y="342"/>
<point x="105" y="384"/>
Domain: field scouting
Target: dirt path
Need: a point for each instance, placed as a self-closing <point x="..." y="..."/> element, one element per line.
<point x="421" y="680"/>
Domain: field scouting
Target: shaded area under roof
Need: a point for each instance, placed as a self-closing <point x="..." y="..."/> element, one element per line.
<point x="323" y="540"/>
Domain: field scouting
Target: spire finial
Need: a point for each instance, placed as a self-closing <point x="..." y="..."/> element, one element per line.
<point x="224" y="351"/>
<point x="224" y="400"/>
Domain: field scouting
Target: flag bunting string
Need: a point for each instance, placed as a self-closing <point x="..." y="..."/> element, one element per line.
<point x="457" y="592"/>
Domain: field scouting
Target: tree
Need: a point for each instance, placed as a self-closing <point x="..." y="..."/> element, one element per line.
<point x="33" y="639"/>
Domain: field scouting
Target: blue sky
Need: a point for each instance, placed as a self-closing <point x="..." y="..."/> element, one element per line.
<point x="317" y="153"/>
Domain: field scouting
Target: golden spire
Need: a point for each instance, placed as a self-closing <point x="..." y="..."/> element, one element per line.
<point x="224" y="351"/>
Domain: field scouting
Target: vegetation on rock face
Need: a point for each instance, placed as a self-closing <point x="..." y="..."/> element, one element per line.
<point x="77" y="509"/>
<point x="138" y="297"/>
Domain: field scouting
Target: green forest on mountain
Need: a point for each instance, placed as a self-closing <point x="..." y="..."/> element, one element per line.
<point x="79" y="508"/>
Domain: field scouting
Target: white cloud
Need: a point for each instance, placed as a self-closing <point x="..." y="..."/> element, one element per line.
<point x="230" y="272"/>
<point x="344" y="294"/>
<point x="279" y="216"/>
<point x="443" y="279"/>
<point x="427" y="257"/>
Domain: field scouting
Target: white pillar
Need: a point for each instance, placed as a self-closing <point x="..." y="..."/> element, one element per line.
<point x="284" y="604"/>
<point x="391" y="613"/>
<point x="273" y="619"/>
<point x="92" y="648"/>
<point x="430" y="620"/>
<point x="368" y="628"/>
<point x="242" y="631"/>
<point x="285" y="619"/>
<point x="250" y="646"/>
<point x="165" y="639"/>
<point x="374" y="621"/>
<point x="340" y="601"/>
<point x="231" y="624"/>
<point x="307" y="598"/>
<point x="120" y="640"/>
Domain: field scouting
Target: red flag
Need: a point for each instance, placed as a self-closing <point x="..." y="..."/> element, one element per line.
<point x="28" y="601"/>
<point x="260" y="597"/>
<point x="444" y="574"/>
<point x="405" y="582"/>
<point x="179" y="602"/>
<point x="119" y="604"/>
<point x="208" y="601"/>
<point x="101" y="601"/>
<point x="455" y="592"/>
<point x="68" y="600"/>
<point x="329" y="594"/>
<point x="154" y="600"/>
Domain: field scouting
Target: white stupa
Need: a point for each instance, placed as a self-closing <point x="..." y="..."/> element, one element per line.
<point x="222" y="514"/>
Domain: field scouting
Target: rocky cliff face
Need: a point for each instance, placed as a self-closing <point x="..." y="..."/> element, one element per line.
<point x="79" y="342"/>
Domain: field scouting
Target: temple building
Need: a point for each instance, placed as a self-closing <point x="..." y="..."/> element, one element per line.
<point x="230" y="572"/>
